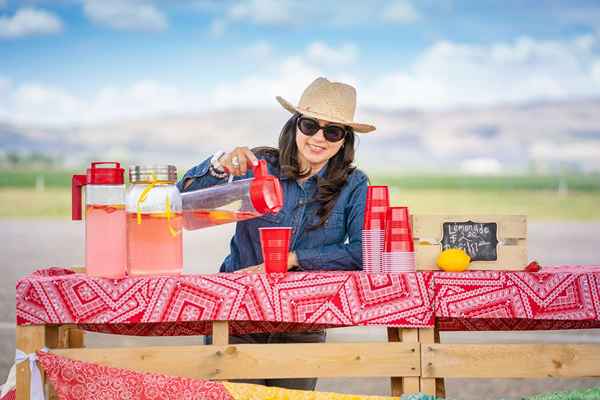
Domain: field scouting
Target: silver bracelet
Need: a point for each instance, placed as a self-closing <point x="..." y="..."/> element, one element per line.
<point x="217" y="173"/>
<point x="215" y="168"/>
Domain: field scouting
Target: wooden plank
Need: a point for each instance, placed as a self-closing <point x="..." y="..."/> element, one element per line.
<point x="53" y="336"/>
<point x="410" y="384"/>
<point x="426" y="337"/>
<point x="220" y="333"/>
<point x="511" y="360"/>
<point x="255" y="361"/>
<point x="409" y="335"/>
<point x="56" y="337"/>
<point x="393" y="334"/>
<point x="395" y="381"/>
<point x="76" y="337"/>
<point x="429" y="226"/>
<point x="30" y="338"/>
<point x="440" y="387"/>
<point x="510" y="258"/>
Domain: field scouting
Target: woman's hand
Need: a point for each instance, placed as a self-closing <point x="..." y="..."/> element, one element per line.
<point x="238" y="161"/>
<point x="253" y="269"/>
<point x="292" y="262"/>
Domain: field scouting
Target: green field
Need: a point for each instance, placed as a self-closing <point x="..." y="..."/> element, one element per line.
<point x="536" y="196"/>
<point x="579" y="183"/>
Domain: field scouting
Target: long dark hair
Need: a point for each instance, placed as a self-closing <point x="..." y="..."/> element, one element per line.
<point x="339" y="167"/>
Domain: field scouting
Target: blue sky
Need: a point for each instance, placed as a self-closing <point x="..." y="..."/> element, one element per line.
<point x="65" y="61"/>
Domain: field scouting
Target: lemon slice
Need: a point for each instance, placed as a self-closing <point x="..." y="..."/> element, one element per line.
<point x="453" y="260"/>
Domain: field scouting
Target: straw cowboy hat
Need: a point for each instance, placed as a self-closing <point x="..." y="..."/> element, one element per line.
<point x="330" y="101"/>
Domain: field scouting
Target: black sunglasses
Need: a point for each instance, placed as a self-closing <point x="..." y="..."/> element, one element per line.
<point x="332" y="133"/>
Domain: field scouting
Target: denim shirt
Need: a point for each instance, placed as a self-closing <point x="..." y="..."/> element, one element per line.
<point x="336" y="245"/>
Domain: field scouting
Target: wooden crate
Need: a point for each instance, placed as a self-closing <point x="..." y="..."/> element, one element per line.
<point x="429" y="231"/>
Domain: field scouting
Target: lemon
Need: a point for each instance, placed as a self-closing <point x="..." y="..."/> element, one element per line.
<point x="453" y="260"/>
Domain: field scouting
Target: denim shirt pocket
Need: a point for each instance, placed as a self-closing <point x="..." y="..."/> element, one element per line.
<point x="331" y="232"/>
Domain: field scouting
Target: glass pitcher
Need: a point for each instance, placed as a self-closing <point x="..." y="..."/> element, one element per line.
<point x="105" y="222"/>
<point x="234" y="201"/>
<point x="154" y="237"/>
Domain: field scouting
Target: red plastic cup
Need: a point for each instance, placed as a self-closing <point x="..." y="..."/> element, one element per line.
<point x="398" y="232"/>
<point x="275" y="245"/>
<point x="378" y="200"/>
<point x="374" y="221"/>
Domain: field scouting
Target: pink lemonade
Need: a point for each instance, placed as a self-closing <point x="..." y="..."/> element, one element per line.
<point x="196" y="219"/>
<point x="155" y="245"/>
<point x="105" y="237"/>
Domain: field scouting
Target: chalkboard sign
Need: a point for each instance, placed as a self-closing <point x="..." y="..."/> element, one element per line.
<point x="479" y="240"/>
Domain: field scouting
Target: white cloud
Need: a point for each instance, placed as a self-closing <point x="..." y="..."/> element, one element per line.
<point x="132" y="15"/>
<point x="287" y="78"/>
<point x="261" y="11"/>
<point x="321" y="53"/>
<point x="596" y="71"/>
<point x="452" y="74"/>
<point x="32" y="103"/>
<point x="400" y="11"/>
<point x="260" y="51"/>
<point x="294" y="13"/>
<point x="37" y="103"/>
<point x="29" y="21"/>
<point x="481" y="166"/>
<point x="218" y="27"/>
<point x="547" y="150"/>
<point x="445" y="75"/>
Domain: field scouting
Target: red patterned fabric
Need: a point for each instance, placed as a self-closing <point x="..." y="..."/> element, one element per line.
<point x="486" y="300"/>
<point x="76" y="380"/>
<point x="182" y="305"/>
<point x="555" y="298"/>
<point x="12" y="395"/>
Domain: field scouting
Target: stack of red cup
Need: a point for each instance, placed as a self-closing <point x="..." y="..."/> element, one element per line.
<point x="378" y="200"/>
<point x="399" y="251"/>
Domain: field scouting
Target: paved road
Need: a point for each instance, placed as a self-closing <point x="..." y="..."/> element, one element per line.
<point x="30" y="244"/>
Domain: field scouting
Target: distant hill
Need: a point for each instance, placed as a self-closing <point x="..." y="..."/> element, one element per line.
<point x="543" y="136"/>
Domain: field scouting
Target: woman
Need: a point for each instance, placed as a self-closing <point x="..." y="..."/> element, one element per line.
<point x="324" y="196"/>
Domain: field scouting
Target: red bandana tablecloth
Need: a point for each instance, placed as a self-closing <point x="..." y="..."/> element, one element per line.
<point x="556" y="298"/>
<point x="185" y="305"/>
<point x="565" y="298"/>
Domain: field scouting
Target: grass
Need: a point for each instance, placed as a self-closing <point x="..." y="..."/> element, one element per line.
<point x="26" y="178"/>
<point x="538" y="205"/>
<point x="16" y="203"/>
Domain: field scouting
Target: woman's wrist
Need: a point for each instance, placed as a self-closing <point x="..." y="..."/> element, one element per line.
<point x="292" y="260"/>
<point x="216" y="168"/>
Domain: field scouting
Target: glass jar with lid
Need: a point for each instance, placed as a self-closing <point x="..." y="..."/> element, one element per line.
<point x="154" y="220"/>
